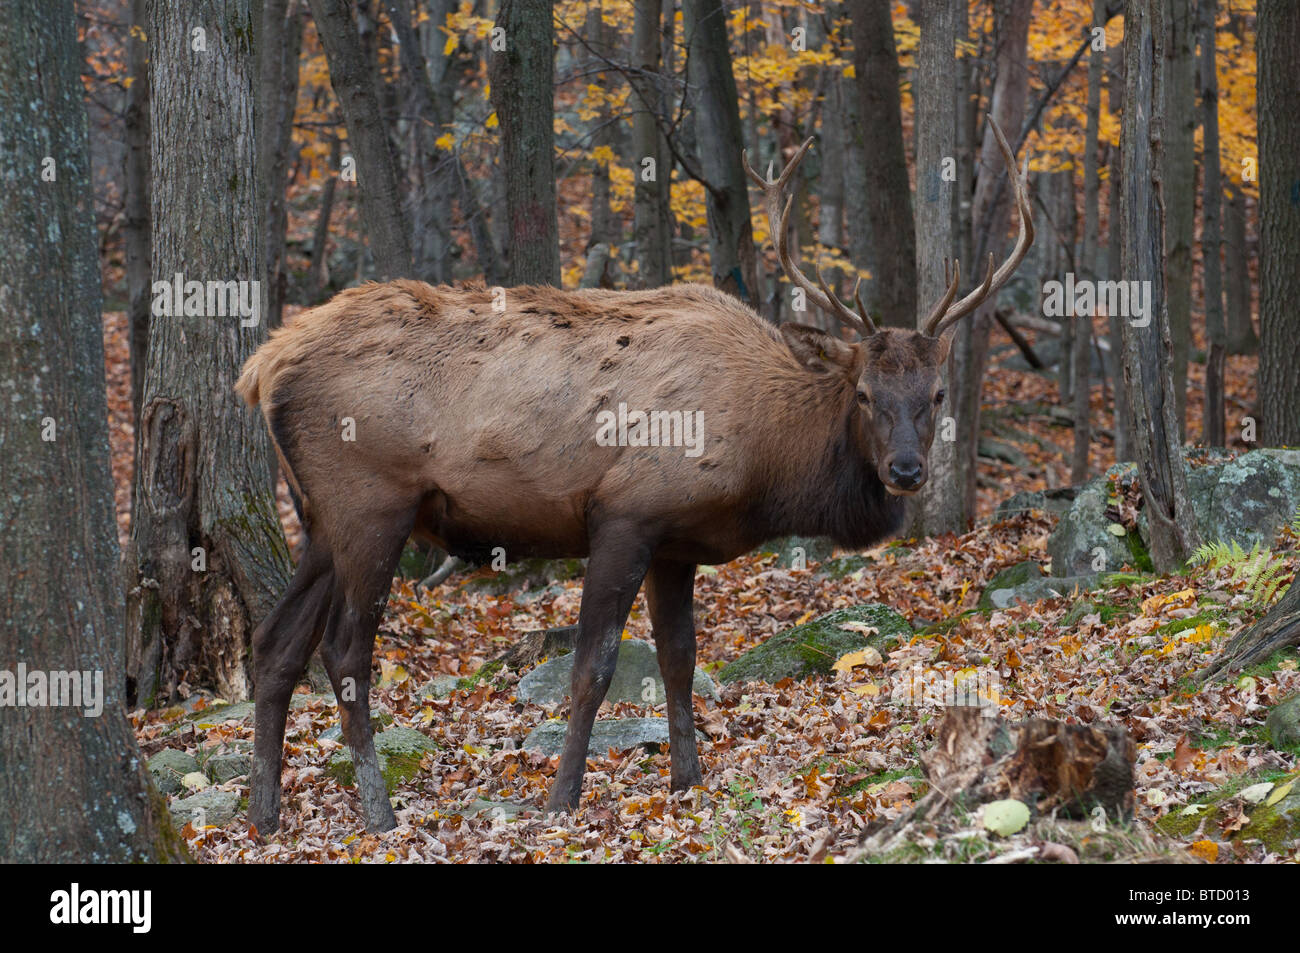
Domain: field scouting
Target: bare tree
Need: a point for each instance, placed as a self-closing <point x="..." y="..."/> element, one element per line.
<point x="1211" y="203"/>
<point x="1147" y="344"/>
<point x="890" y="296"/>
<point x="652" y="196"/>
<point x="1179" y="171"/>
<point x="1236" y="260"/>
<point x="523" y="78"/>
<point x="278" y="49"/>
<point x="135" y="225"/>
<point x="1082" y="409"/>
<point x="1278" y="44"/>
<point x="73" y="782"/>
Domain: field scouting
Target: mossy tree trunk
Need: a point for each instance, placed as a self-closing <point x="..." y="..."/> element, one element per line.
<point x="207" y="558"/>
<point x="72" y="781"/>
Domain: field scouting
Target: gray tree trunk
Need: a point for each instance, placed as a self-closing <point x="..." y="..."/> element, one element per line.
<point x="1278" y="87"/>
<point x="1121" y="421"/>
<point x="135" y="225"/>
<point x="278" y="49"/>
<point x="1211" y="202"/>
<point x="1236" y="261"/>
<point x="1180" y="185"/>
<point x="207" y="558"/>
<point x="652" y="223"/>
<point x="890" y="296"/>
<point x="936" y="131"/>
<point x="73" y="783"/>
<point x="377" y="175"/>
<point x="1088" y="263"/>
<point x="712" y="92"/>
<point x="1147" y="372"/>
<point x="523" y="80"/>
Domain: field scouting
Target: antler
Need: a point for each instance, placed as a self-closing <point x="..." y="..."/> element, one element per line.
<point x="825" y="298"/>
<point x="945" y="314"/>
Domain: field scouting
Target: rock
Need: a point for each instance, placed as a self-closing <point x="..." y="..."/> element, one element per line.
<point x="812" y="648"/>
<point x="227" y="766"/>
<point x="621" y="734"/>
<point x="1017" y="584"/>
<point x="636" y="678"/>
<point x="400" y="751"/>
<point x="219" y="714"/>
<point x="993" y="449"/>
<point x="838" y="567"/>
<point x="210" y="808"/>
<point x="1283" y="724"/>
<point x="507" y="810"/>
<point x="796" y="552"/>
<point x="525" y="574"/>
<point x="440" y="686"/>
<point x="1048" y="501"/>
<point x="1253" y="497"/>
<point x="1085" y="540"/>
<point x="1275" y="825"/>
<point x="168" y="767"/>
<point x="1006" y="580"/>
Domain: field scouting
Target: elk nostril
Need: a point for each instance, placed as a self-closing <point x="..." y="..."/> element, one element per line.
<point x="905" y="475"/>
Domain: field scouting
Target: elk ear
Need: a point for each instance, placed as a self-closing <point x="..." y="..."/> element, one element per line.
<point x="819" y="351"/>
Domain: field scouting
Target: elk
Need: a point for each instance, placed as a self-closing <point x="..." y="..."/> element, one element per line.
<point x="472" y="422"/>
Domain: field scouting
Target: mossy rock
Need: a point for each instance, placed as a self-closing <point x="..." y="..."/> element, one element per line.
<point x="840" y="567"/>
<point x="796" y="552"/>
<point x="400" y="751"/>
<point x="1283" y="724"/>
<point x="525" y="574"/>
<point x="1010" y="578"/>
<point x="168" y="767"/>
<point x="812" y="648"/>
<point x="1276" y="826"/>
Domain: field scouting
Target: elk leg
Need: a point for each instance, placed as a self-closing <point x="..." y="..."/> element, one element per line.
<point x="617" y="564"/>
<point x="670" y="591"/>
<point x="282" y="645"/>
<point x="360" y="596"/>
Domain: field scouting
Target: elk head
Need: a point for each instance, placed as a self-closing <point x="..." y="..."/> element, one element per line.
<point x="896" y="374"/>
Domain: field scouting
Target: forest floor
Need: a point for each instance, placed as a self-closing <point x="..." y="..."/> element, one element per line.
<point x="797" y="770"/>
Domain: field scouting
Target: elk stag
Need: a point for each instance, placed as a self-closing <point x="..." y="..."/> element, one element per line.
<point x="403" y="408"/>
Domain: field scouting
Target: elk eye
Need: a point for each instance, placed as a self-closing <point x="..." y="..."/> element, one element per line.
<point x="938" y="398"/>
<point x="863" y="398"/>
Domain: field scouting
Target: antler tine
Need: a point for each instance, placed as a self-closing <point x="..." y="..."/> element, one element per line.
<point x="773" y="191"/>
<point x="940" y="321"/>
<point x="937" y="313"/>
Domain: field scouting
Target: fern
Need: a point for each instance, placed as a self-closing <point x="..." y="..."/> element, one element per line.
<point x="1260" y="570"/>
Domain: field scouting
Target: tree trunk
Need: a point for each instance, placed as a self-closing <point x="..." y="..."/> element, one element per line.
<point x="1147" y="347"/>
<point x="1179" y="172"/>
<point x="1241" y="330"/>
<point x="377" y="175"/>
<point x="74" y="786"/>
<point x="652" y="197"/>
<point x="1121" y="421"/>
<point x="318" y="275"/>
<point x="1278" y="47"/>
<point x="890" y="296"/>
<point x="1088" y="264"/>
<point x="605" y="226"/>
<point x="712" y="85"/>
<point x="278" y="49"/>
<point x="936" y="194"/>
<point x="523" y="80"/>
<point x="135" y="226"/>
<point x="207" y="558"/>
<point x="1211" y="201"/>
<point x="1278" y="629"/>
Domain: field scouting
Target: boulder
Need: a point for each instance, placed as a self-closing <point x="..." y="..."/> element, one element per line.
<point x="210" y="808"/>
<point x="400" y="751"/>
<point x="228" y="765"/>
<point x="524" y="574"/>
<point x="812" y="648"/>
<point x="636" y="678"/>
<point x="1025" y="582"/>
<point x="1086" y="540"/>
<point x="168" y="767"/>
<point x="1283" y="724"/>
<point x="1251" y="499"/>
<point x="1047" y="501"/>
<point x="621" y="734"/>
<point x="797" y="552"/>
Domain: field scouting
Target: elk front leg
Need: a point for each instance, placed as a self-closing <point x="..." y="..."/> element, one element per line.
<point x="617" y="564"/>
<point x="670" y="590"/>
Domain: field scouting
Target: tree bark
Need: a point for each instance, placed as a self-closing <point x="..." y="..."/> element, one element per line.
<point x="135" y="226"/>
<point x="1089" y="257"/>
<point x="1278" y="629"/>
<point x="652" y="223"/>
<point x="936" y="194"/>
<point x="1147" y="348"/>
<point x="712" y="90"/>
<point x="278" y="49"/>
<point x="1121" y="421"/>
<point x="1241" y="329"/>
<point x="1278" y="45"/>
<point x="890" y="296"/>
<point x="318" y="275"/>
<point x="377" y="173"/>
<point x="207" y="558"/>
<point x="73" y="783"/>
<point x="1213" y="424"/>
<point x="523" y="79"/>
<point x="1179" y="170"/>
